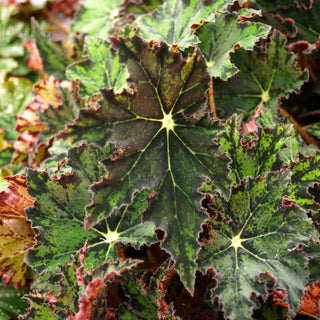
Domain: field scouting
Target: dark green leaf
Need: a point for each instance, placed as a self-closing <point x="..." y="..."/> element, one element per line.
<point x="158" y="145"/>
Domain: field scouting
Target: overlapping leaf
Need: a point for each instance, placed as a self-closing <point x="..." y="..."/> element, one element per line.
<point x="95" y="18"/>
<point x="172" y="21"/>
<point x="143" y="302"/>
<point x="60" y="204"/>
<point x="255" y="233"/>
<point x="219" y="38"/>
<point x="305" y="173"/>
<point x="54" y="56"/>
<point x="101" y="70"/>
<point x="305" y="21"/>
<point x="264" y="77"/>
<point x="253" y="158"/>
<point x="158" y="144"/>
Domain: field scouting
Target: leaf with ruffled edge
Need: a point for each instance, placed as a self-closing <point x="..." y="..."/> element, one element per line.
<point x="254" y="233"/>
<point x="101" y="70"/>
<point x="265" y="75"/>
<point x="172" y="21"/>
<point x="305" y="173"/>
<point x="158" y="145"/>
<point x="96" y="17"/>
<point x="219" y="38"/>
<point x="253" y="157"/>
<point x="59" y="211"/>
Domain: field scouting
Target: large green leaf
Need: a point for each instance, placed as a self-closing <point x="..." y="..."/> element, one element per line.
<point x="60" y="204"/>
<point x="256" y="233"/>
<point x="96" y="17"/>
<point x="219" y="38"/>
<point x="172" y="21"/>
<point x="254" y="157"/>
<point x="158" y="145"/>
<point x="101" y="70"/>
<point x="265" y="75"/>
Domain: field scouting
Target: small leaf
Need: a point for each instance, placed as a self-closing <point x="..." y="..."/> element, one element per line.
<point x="15" y="95"/>
<point x="310" y="301"/>
<point x="265" y="75"/>
<point x="53" y="55"/>
<point x="14" y="199"/>
<point x="16" y="238"/>
<point x="11" y="44"/>
<point x="219" y="38"/>
<point x="101" y="70"/>
<point x="96" y="17"/>
<point x="172" y="21"/>
<point x="255" y="233"/>
<point x="16" y="235"/>
<point x="143" y="304"/>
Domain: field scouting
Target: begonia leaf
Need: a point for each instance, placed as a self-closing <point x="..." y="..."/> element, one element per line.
<point x="60" y="203"/>
<point x="158" y="144"/>
<point x="11" y="44"/>
<point x="16" y="238"/>
<point x="305" y="173"/>
<point x="218" y="39"/>
<point x="61" y="305"/>
<point x="101" y="70"/>
<point x="14" y="199"/>
<point x="11" y="304"/>
<point x="172" y="21"/>
<point x="265" y="75"/>
<point x="310" y="301"/>
<point x="143" y="303"/>
<point x="255" y="233"/>
<point x="254" y="157"/>
<point x="304" y="19"/>
<point x="54" y="56"/>
<point x="294" y="144"/>
<point x="16" y="235"/>
<point x="96" y="17"/>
